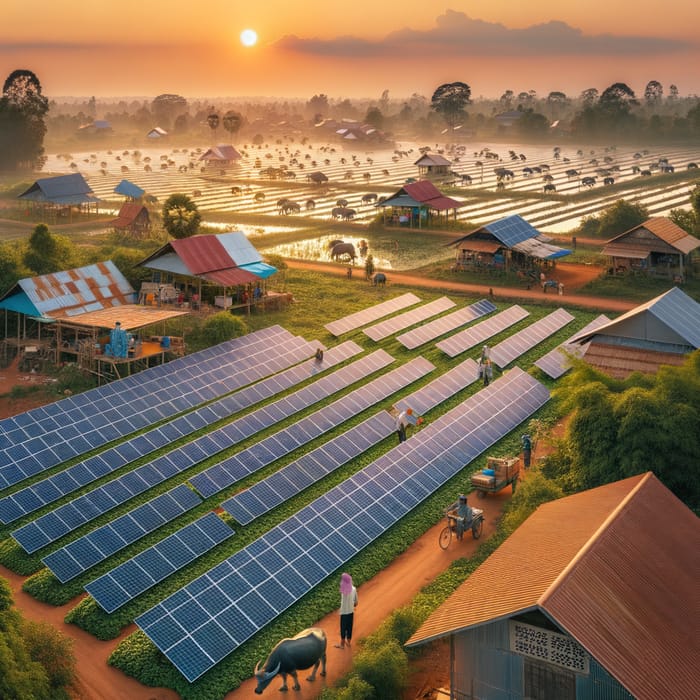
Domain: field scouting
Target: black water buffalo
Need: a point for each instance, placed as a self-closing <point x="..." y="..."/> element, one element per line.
<point x="341" y="249"/>
<point x="608" y="180"/>
<point x="306" y="649"/>
<point x="379" y="279"/>
<point x="548" y="188"/>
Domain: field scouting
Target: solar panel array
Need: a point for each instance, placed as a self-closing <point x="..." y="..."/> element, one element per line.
<point x="481" y="332"/>
<point x="54" y="487"/>
<point x="62" y="520"/>
<point x="555" y="363"/>
<point x="47" y="436"/>
<point x="527" y="338"/>
<point x="434" y="329"/>
<point x="203" y="622"/>
<point x="70" y="561"/>
<point x="300" y="474"/>
<point x="440" y="389"/>
<point x="373" y="313"/>
<point x="153" y="565"/>
<point x="237" y="467"/>
<point x="384" y="329"/>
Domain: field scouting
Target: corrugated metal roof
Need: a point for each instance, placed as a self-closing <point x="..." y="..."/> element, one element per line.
<point x="223" y="152"/>
<point x="665" y="230"/>
<point x="674" y="308"/>
<point x="62" y="189"/>
<point x="129" y="189"/>
<point x="432" y="159"/>
<point x="128" y="213"/>
<point x="603" y="566"/>
<point x="130" y="316"/>
<point x="76" y="291"/>
<point x="421" y="193"/>
<point x="619" y="250"/>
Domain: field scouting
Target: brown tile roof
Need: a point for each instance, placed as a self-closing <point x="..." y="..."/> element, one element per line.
<point x="616" y="567"/>
<point x="620" y="361"/>
<point x="664" y="230"/>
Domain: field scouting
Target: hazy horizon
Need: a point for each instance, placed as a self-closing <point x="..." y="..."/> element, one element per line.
<point x="355" y="52"/>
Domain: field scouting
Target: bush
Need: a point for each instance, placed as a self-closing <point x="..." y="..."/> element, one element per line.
<point x="384" y="665"/>
<point x="222" y="327"/>
<point x="356" y="689"/>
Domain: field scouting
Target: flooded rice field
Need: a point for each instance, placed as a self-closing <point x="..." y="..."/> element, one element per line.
<point x="355" y="177"/>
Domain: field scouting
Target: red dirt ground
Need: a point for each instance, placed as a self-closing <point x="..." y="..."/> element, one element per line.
<point x="391" y="588"/>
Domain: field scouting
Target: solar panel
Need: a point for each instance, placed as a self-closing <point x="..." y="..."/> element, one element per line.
<point x="235" y="468"/>
<point x="292" y="479"/>
<point x="434" y="329"/>
<point x="555" y="363"/>
<point x="171" y="625"/>
<point x="481" y="332"/>
<point x="128" y="580"/>
<point x="79" y="555"/>
<point x="519" y="343"/>
<point x="440" y="389"/>
<point x="152" y="402"/>
<point x="384" y="329"/>
<point x="362" y="318"/>
<point x="54" y="487"/>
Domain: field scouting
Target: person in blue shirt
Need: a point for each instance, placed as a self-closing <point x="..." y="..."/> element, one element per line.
<point x="461" y="513"/>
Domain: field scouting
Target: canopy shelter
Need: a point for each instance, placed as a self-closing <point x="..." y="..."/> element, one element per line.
<point x="433" y="164"/>
<point x="129" y="190"/>
<point x="418" y="202"/>
<point x="505" y="241"/>
<point x="656" y="247"/>
<point x="63" y="315"/>
<point x="223" y="154"/>
<point x="223" y="260"/>
<point x="60" y="194"/>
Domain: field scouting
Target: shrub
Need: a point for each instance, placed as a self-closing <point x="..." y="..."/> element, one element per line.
<point x="384" y="665"/>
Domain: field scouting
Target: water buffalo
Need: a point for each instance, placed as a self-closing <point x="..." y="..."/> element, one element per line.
<point x="379" y="279"/>
<point x="367" y="198"/>
<point x="549" y="188"/>
<point x="343" y="213"/>
<point x="588" y="181"/>
<point x="306" y="649"/>
<point x="609" y="180"/>
<point x="341" y="249"/>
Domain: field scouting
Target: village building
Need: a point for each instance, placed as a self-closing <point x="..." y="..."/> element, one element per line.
<point x="433" y="165"/>
<point x="57" y="197"/>
<point x="663" y="331"/>
<point x="418" y="204"/>
<point x="156" y="133"/>
<point x="589" y="598"/>
<point x="221" y="155"/>
<point x="510" y="244"/>
<point x="134" y="219"/>
<point x="656" y="247"/>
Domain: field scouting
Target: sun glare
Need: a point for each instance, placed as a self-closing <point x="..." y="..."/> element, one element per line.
<point x="249" y="37"/>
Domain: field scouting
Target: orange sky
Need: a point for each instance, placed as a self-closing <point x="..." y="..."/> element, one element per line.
<point x="348" y="49"/>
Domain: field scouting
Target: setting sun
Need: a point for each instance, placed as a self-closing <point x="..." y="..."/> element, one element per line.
<point x="249" y="37"/>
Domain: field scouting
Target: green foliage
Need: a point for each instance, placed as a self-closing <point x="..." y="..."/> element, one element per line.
<point x="181" y="218"/>
<point x="449" y="100"/>
<point x="48" y="252"/>
<point x="53" y="651"/>
<point x="5" y="595"/>
<point x="355" y="688"/>
<point x="223" y="326"/>
<point x="384" y="666"/>
<point x="531" y="493"/>
<point x="620" y="217"/>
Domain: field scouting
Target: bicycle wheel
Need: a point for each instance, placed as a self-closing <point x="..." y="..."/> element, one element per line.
<point x="446" y="537"/>
<point x="477" y="527"/>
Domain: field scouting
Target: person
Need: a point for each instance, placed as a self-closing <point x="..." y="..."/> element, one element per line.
<point x="487" y="371"/>
<point x="527" y="450"/>
<point x="403" y="420"/>
<point x="461" y="513"/>
<point x="319" y="355"/>
<point x="349" y="271"/>
<point x="348" y="603"/>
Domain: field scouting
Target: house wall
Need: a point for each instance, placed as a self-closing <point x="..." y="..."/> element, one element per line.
<point x="647" y="327"/>
<point x="484" y="668"/>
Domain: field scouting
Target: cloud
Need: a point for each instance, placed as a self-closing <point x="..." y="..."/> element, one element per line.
<point x="458" y="35"/>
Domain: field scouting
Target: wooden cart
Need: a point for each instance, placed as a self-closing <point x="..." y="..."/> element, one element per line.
<point x="505" y="471"/>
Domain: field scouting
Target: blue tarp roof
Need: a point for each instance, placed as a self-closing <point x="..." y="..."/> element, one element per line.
<point x="129" y="189"/>
<point x="62" y="189"/>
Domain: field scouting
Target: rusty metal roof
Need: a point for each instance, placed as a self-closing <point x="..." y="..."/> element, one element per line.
<point x="419" y="193"/>
<point x="663" y="229"/>
<point x="616" y="567"/>
<point x="71" y="292"/>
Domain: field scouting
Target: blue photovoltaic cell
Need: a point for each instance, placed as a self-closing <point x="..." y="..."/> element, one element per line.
<point x="513" y="397"/>
<point x="555" y="363"/>
<point x="85" y="552"/>
<point x="481" y="332"/>
<point x="519" y="343"/>
<point x="233" y="469"/>
<point x="384" y="329"/>
<point x="125" y="582"/>
<point x="433" y="329"/>
<point x="373" y="313"/>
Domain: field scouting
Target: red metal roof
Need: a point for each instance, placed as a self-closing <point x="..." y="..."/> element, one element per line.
<point x="202" y="253"/>
<point x="425" y="192"/>
<point x="616" y="567"/>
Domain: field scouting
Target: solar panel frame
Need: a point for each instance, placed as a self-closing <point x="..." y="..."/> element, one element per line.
<point x="384" y="329"/>
<point x="373" y="313"/>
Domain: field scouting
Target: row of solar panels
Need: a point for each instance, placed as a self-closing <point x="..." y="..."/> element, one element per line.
<point x="203" y="622"/>
<point x="47" y="436"/>
<point x="67" y="517"/>
<point x="54" y="487"/>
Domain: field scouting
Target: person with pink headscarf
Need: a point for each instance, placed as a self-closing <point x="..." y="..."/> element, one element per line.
<point x="348" y="603"/>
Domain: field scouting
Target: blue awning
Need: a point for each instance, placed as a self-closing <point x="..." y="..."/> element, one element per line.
<point x="261" y="269"/>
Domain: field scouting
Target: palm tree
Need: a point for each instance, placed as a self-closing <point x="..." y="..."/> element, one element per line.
<point x="232" y="122"/>
<point x="213" y="121"/>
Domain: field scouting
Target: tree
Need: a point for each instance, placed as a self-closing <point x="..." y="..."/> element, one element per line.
<point x="653" y="93"/>
<point x="618" y="99"/>
<point x="374" y="117"/>
<point x="167" y="108"/>
<point x="449" y="100"/>
<point x="213" y="122"/>
<point x="506" y="99"/>
<point x="318" y="104"/>
<point x="589" y="97"/>
<point x="556" y="101"/>
<point x="620" y="217"/>
<point x="48" y="252"/>
<point x="22" y="122"/>
<point x="232" y="122"/>
<point x="532" y="122"/>
<point x="181" y="217"/>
